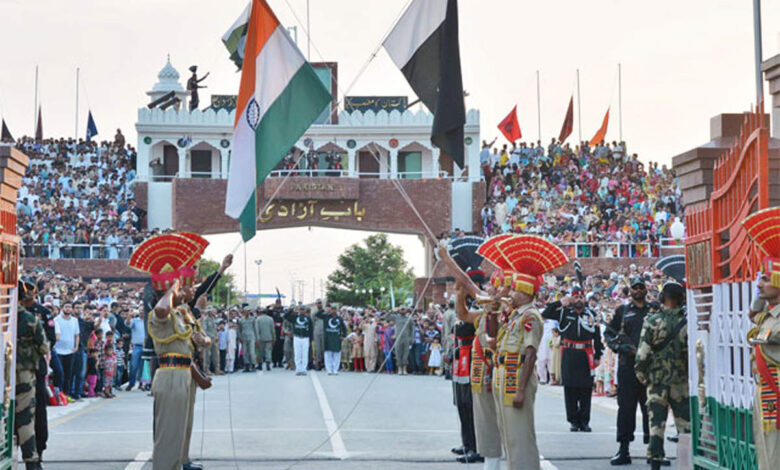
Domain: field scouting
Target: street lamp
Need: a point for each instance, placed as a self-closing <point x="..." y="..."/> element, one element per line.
<point x="258" y="262"/>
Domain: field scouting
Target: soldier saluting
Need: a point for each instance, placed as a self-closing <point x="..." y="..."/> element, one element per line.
<point x="31" y="345"/>
<point x="582" y="348"/>
<point x="622" y="336"/>
<point x="662" y="365"/>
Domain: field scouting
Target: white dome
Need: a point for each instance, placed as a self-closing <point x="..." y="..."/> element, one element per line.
<point x="167" y="79"/>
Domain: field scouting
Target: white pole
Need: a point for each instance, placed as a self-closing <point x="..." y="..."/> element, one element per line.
<point x="759" y="55"/>
<point x="538" y="107"/>
<point x="245" y="291"/>
<point x="579" y="113"/>
<point x="76" y="132"/>
<point x="620" y="101"/>
<point x="35" y="105"/>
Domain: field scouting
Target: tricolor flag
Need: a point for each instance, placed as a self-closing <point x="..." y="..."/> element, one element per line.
<point x="235" y="37"/>
<point x="91" y="127"/>
<point x="279" y="97"/>
<point x="424" y="45"/>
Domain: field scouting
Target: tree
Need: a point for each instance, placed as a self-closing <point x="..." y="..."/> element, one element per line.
<point x="372" y="267"/>
<point x="225" y="290"/>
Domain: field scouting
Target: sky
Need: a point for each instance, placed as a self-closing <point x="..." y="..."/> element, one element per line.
<point x="682" y="63"/>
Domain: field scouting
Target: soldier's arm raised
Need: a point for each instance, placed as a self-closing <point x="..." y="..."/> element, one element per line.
<point x="165" y="304"/>
<point x="460" y="305"/>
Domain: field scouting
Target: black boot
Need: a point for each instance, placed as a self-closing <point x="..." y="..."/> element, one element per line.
<point x="622" y="457"/>
<point x="661" y="463"/>
<point x="268" y="366"/>
<point x="655" y="465"/>
<point x="32" y="466"/>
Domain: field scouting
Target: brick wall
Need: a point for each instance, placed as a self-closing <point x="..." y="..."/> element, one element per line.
<point x="199" y="207"/>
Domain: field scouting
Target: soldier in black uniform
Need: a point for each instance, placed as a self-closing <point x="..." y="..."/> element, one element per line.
<point x="461" y="375"/>
<point x="622" y="336"/>
<point x="41" y="393"/>
<point x="582" y="348"/>
<point x="278" y="349"/>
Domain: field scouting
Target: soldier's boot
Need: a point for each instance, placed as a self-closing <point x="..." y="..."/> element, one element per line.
<point x="622" y="457"/>
<point x="268" y="366"/>
<point x="661" y="463"/>
<point x="655" y="465"/>
<point x="32" y="466"/>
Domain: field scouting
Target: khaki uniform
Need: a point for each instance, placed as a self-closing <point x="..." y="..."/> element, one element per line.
<point x="523" y="329"/>
<point x="765" y="431"/>
<point x="264" y="329"/>
<point x="172" y="388"/>
<point x="211" y="353"/>
<point x="246" y="333"/>
<point x="485" y="417"/>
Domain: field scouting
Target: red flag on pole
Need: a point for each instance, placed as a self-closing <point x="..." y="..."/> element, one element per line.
<point x="602" y="132"/>
<point x="510" y="127"/>
<point x="568" y="123"/>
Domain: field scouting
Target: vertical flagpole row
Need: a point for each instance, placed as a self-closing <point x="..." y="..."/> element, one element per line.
<point x="76" y="131"/>
<point x="579" y="113"/>
<point x="620" y="101"/>
<point x="538" y="107"/>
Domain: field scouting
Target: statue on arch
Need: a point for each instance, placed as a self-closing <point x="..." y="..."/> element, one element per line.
<point x="192" y="87"/>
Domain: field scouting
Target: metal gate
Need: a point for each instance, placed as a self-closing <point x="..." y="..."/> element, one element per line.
<point x="722" y="265"/>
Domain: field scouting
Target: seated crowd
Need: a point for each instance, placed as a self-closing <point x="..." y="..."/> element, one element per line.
<point x="78" y="193"/>
<point x="601" y="197"/>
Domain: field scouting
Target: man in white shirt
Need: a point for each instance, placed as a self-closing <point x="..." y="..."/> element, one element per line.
<point x="66" y="331"/>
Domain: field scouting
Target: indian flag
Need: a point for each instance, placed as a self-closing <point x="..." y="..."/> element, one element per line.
<point x="279" y="97"/>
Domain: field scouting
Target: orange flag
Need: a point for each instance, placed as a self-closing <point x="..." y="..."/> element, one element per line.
<point x="602" y="132"/>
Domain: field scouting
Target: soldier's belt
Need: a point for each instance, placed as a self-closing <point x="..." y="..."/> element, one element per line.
<point x="175" y="361"/>
<point x="579" y="345"/>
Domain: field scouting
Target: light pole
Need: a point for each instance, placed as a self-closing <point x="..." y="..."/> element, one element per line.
<point x="258" y="262"/>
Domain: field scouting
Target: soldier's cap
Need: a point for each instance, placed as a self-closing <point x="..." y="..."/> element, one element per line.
<point x="673" y="288"/>
<point x="28" y="288"/>
<point x="637" y="280"/>
<point x="193" y="68"/>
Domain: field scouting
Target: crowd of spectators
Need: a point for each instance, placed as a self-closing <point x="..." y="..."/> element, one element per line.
<point x="600" y="197"/>
<point x="77" y="199"/>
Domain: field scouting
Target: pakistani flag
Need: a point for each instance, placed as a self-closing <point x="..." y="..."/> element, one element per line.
<point x="280" y="96"/>
<point x="424" y="44"/>
<point x="235" y="37"/>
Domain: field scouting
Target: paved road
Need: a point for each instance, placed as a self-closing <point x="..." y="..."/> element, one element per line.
<point x="282" y="421"/>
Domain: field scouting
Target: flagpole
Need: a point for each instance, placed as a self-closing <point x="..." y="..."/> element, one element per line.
<point x="76" y="131"/>
<point x="620" y="101"/>
<point x="308" y="31"/>
<point x="538" y="107"/>
<point x="35" y="104"/>
<point x="579" y="113"/>
<point x="757" y="41"/>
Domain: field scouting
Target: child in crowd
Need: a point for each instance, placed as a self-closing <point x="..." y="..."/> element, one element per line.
<point x="120" y="362"/>
<point x="358" y="361"/>
<point x="109" y="370"/>
<point x="92" y="368"/>
<point x="434" y="358"/>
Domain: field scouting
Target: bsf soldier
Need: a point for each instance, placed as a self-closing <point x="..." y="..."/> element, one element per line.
<point x="31" y="347"/>
<point x="211" y="353"/>
<point x="247" y="335"/>
<point x="622" y="336"/>
<point x="764" y="338"/>
<point x="662" y="365"/>
<point x="581" y="350"/>
<point x="264" y="328"/>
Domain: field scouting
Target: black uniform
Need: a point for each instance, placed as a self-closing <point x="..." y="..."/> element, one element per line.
<point x="41" y="393"/>
<point x="622" y="336"/>
<point x="464" y="337"/>
<point x="278" y="350"/>
<point x="581" y="346"/>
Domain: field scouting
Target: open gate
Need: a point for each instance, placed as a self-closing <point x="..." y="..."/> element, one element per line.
<point x="722" y="266"/>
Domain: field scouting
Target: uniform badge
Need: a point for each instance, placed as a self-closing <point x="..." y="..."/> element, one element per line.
<point x="529" y="324"/>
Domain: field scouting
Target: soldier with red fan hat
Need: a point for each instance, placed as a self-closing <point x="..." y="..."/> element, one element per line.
<point x="173" y="327"/>
<point x="763" y="228"/>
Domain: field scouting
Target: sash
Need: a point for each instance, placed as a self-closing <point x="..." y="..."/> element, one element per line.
<point x="586" y="346"/>
<point x="480" y="368"/>
<point x="768" y="393"/>
<point x="511" y="365"/>
<point x="460" y="368"/>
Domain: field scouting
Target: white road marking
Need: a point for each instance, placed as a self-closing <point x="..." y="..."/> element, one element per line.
<point x="336" y="442"/>
<point x="139" y="461"/>
<point x="546" y="464"/>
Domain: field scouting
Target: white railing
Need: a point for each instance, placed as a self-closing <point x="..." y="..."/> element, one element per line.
<point x="77" y="251"/>
<point x="359" y="174"/>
